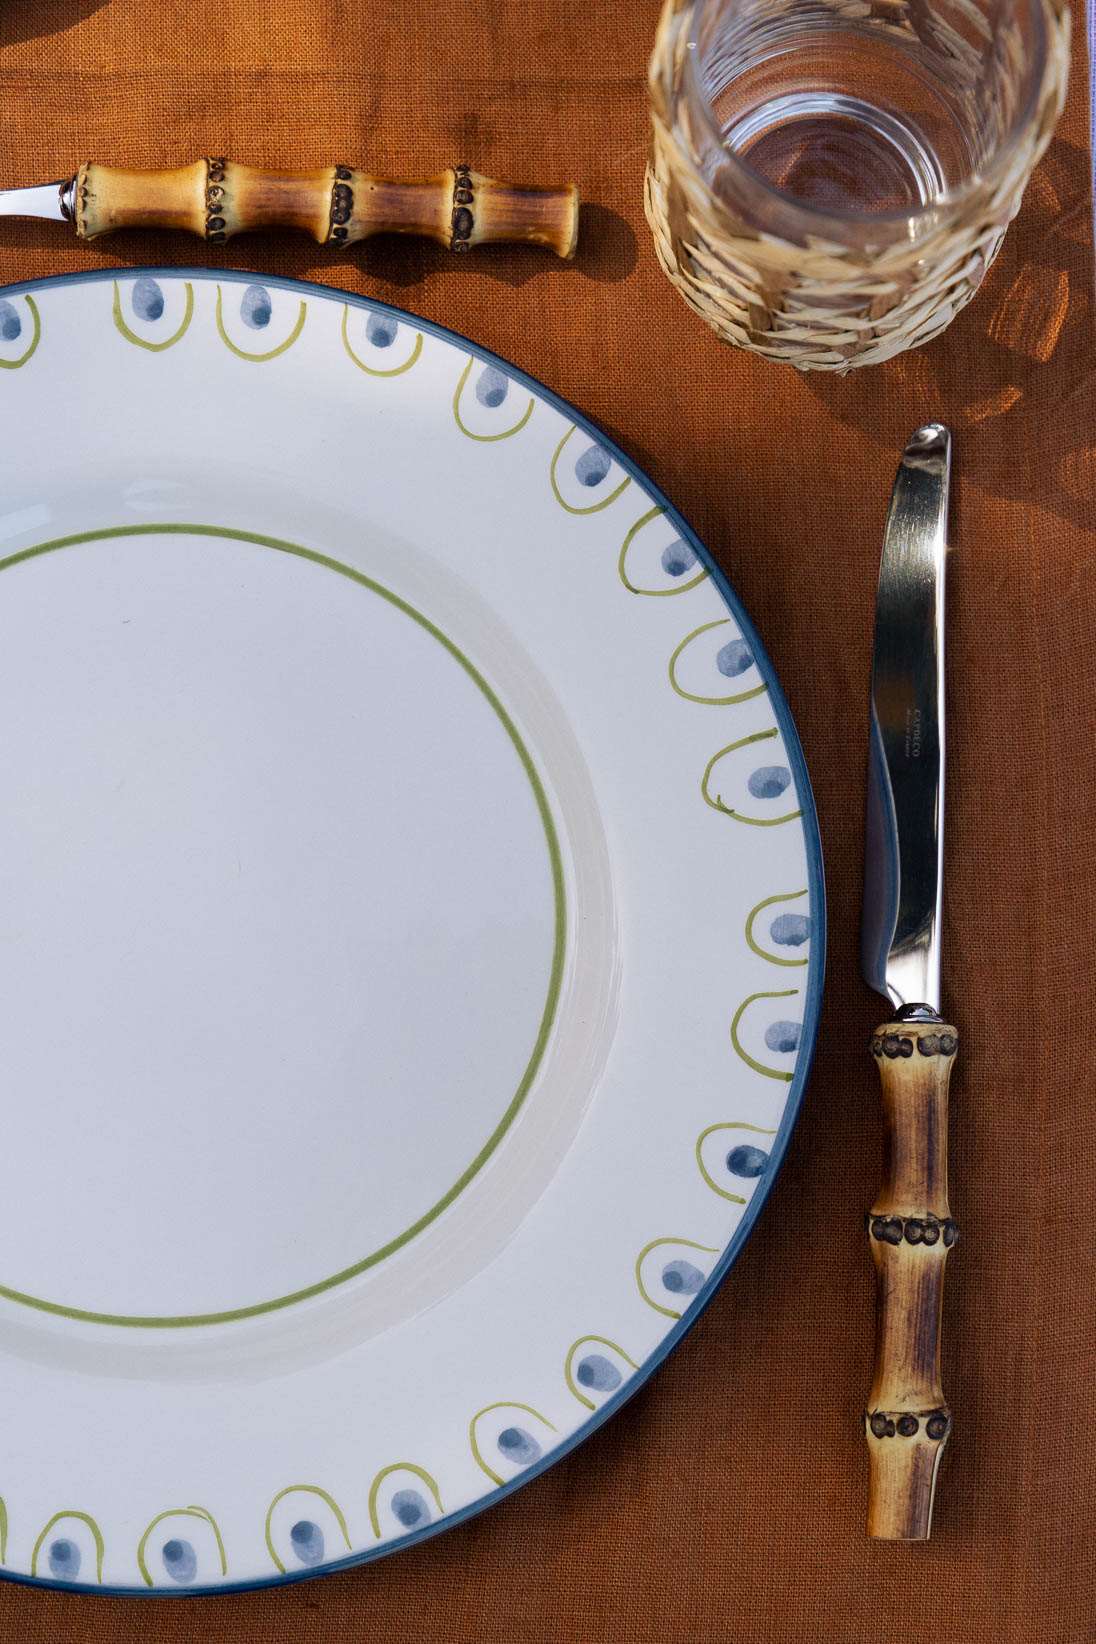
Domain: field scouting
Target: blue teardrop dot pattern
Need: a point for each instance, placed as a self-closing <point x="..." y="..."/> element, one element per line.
<point x="677" y="558"/>
<point x="410" y="1508"/>
<point x="783" y="1036"/>
<point x="64" y="1559"/>
<point x="380" y="330"/>
<point x="492" y="387"/>
<point x="790" y="930"/>
<point x="598" y="1372"/>
<point x="682" y="1278"/>
<point x="10" y="323"/>
<point x="747" y="1161"/>
<point x="148" y="299"/>
<point x="734" y="658"/>
<point x="180" y="1560"/>
<point x="256" y="307"/>
<point x="593" y="465"/>
<point x="306" y="1539"/>
<point x="769" y="781"/>
<point x="518" y="1446"/>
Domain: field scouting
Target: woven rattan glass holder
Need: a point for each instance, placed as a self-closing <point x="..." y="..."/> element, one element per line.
<point x="815" y="297"/>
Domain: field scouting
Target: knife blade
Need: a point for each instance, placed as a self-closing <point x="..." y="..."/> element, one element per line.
<point x="910" y="1226"/>
<point x="50" y="201"/>
<point x="216" y="198"/>
<point x="904" y="847"/>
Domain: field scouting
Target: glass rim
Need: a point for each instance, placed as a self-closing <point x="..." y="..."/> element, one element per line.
<point x="949" y="203"/>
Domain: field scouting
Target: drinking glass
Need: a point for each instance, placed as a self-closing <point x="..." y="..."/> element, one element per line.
<point x="830" y="179"/>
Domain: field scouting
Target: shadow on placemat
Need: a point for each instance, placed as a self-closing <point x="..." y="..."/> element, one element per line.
<point x="36" y="19"/>
<point x="1014" y="359"/>
<point x="606" y="253"/>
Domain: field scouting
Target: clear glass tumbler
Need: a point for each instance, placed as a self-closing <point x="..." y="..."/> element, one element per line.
<point x="830" y="179"/>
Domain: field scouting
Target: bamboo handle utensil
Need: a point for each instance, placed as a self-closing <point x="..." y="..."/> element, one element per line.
<point x="216" y="198"/>
<point x="910" y="1231"/>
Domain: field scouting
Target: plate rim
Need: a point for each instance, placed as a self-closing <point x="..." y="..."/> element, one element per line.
<point x="815" y="883"/>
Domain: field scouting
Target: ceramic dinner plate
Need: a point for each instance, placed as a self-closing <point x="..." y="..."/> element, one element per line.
<point x="410" y="929"/>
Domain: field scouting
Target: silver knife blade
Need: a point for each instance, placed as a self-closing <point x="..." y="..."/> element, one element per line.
<point x="44" y="200"/>
<point x="903" y="867"/>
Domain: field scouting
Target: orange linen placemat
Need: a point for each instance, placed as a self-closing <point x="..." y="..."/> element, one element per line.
<point x="726" y="1501"/>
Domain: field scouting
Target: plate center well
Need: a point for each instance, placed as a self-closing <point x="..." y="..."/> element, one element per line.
<point x="282" y="923"/>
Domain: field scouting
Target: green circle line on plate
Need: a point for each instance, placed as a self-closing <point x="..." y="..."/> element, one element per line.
<point x="500" y="1404"/>
<point x="652" y="593"/>
<point x="750" y="1061"/>
<point x="716" y="801"/>
<point x="157" y="1321"/>
<point x="85" y="1518"/>
<point x="143" y="342"/>
<point x="751" y="940"/>
<point x="311" y="1490"/>
<point x="709" y="701"/>
<point x="376" y="370"/>
<point x="386" y="1472"/>
<point x="270" y="353"/>
<point x="179" y="1512"/>
<point x="726" y="1124"/>
<point x="485" y="439"/>
<point x="687" y="1244"/>
<point x="568" y="1373"/>
<point x="594" y="507"/>
<point x="13" y="365"/>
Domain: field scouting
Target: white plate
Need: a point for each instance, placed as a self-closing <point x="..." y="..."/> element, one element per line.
<point x="411" y="938"/>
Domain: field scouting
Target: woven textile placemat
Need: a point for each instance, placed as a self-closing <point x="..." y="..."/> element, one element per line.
<point x="726" y="1502"/>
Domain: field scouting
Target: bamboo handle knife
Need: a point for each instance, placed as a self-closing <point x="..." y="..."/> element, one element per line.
<point x="910" y="1227"/>
<point x="216" y="198"/>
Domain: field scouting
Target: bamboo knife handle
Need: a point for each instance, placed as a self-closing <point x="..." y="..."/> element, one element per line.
<point x="216" y="198"/>
<point x="910" y="1231"/>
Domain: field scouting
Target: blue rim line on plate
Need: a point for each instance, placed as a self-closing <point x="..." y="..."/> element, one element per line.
<point x="815" y="883"/>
